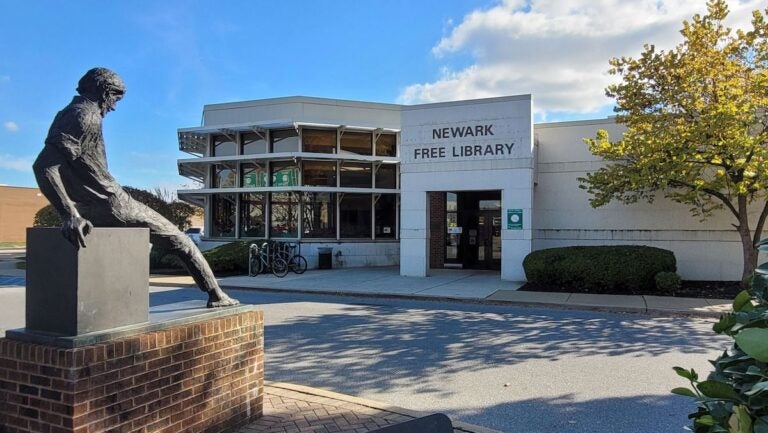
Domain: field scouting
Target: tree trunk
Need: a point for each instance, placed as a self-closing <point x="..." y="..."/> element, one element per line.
<point x="749" y="252"/>
<point x="750" y="256"/>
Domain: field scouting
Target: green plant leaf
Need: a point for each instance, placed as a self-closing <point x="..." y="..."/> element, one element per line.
<point x="740" y="421"/>
<point x="742" y="300"/>
<point x="705" y="420"/>
<point x="684" y="392"/>
<point x="688" y="374"/>
<point x="715" y="389"/>
<point x="761" y="425"/>
<point x="725" y="323"/>
<point x="754" y="342"/>
<point x="757" y="388"/>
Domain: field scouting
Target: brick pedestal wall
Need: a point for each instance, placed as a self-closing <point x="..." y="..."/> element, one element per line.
<point x="204" y="376"/>
<point x="437" y="229"/>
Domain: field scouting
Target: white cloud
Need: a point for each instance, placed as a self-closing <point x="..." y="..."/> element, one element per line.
<point x="14" y="163"/>
<point x="11" y="126"/>
<point x="558" y="51"/>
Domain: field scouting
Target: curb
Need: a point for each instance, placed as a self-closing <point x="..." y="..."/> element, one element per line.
<point x="317" y="392"/>
<point x="473" y="301"/>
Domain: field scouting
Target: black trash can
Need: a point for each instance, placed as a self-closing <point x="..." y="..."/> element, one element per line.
<point x="324" y="258"/>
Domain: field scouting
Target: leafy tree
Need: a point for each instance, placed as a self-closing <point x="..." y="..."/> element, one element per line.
<point x="175" y="211"/>
<point x="47" y="217"/>
<point x="697" y="125"/>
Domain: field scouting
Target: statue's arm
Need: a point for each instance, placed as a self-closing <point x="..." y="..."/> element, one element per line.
<point x="48" y="173"/>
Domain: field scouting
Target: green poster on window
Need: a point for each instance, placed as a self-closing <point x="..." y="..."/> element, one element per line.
<point x="514" y="219"/>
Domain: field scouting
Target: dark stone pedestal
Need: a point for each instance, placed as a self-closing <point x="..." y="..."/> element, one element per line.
<point x="190" y="370"/>
<point x="76" y="291"/>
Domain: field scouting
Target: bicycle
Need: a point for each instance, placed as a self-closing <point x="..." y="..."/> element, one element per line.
<point x="260" y="259"/>
<point x="288" y="252"/>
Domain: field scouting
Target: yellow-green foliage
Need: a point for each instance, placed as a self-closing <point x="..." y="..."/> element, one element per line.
<point x="697" y="125"/>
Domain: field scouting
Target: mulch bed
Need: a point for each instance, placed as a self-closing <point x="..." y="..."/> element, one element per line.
<point x="689" y="289"/>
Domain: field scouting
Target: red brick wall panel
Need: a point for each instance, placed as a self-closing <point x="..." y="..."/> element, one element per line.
<point x="206" y="376"/>
<point x="437" y="229"/>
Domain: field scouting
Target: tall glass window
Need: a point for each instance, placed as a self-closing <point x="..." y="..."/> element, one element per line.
<point x="284" y="140"/>
<point x="253" y="143"/>
<point x="319" y="213"/>
<point x="253" y="175"/>
<point x="386" y="145"/>
<point x="223" y="223"/>
<point x="318" y="173"/>
<point x="284" y="215"/>
<point x="252" y="222"/>
<point x="356" y="174"/>
<point x="285" y="173"/>
<point x="318" y="140"/>
<point x="223" y="146"/>
<point x="358" y="143"/>
<point x="386" y="216"/>
<point x="224" y="176"/>
<point x="355" y="216"/>
<point x="386" y="176"/>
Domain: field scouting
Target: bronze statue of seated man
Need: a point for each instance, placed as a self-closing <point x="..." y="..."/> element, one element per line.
<point x="72" y="173"/>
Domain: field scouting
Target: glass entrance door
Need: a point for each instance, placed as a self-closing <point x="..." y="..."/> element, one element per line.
<point x="485" y="240"/>
<point x="473" y="229"/>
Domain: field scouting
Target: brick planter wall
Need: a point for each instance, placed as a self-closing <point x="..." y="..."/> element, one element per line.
<point x="205" y="376"/>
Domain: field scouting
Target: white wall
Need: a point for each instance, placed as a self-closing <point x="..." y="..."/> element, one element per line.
<point x="511" y="172"/>
<point x="708" y="250"/>
<point x="304" y="109"/>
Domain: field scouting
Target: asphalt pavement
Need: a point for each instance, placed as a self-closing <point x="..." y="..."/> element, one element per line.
<point x="505" y="366"/>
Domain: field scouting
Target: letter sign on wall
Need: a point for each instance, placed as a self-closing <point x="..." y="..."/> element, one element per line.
<point x="514" y="219"/>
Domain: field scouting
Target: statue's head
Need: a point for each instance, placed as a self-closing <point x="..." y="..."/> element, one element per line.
<point x="103" y="87"/>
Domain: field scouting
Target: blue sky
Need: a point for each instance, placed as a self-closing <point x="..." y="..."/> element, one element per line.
<point x="176" y="56"/>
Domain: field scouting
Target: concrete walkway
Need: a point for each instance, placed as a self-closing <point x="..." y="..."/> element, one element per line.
<point x="292" y="408"/>
<point x="458" y="285"/>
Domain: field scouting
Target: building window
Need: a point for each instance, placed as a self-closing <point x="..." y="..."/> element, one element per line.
<point x="252" y="215"/>
<point x="223" y="146"/>
<point x="355" y="216"/>
<point x="284" y="140"/>
<point x="386" y="145"/>
<point x="253" y="175"/>
<point x="386" y="176"/>
<point x="223" y="223"/>
<point x="356" y="175"/>
<point x="319" y="213"/>
<point x="224" y="176"/>
<point x="284" y="215"/>
<point x="386" y="216"/>
<point x="254" y="143"/>
<point x="358" y="143"/>
<point x="318" y="173"/>
<point x="285" y="173"/>
<point x="318" y="141"/>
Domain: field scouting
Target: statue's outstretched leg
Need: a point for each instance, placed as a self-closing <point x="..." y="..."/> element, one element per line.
<point x="166" y="235"/>
<point x="182" y="247"/>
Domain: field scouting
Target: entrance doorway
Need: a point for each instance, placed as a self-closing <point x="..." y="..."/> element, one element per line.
<point x="473" y="223"/>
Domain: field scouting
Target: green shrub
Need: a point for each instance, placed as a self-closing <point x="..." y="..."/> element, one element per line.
<point x="231" y="257"/>
<point x="599" y="268"/>
<point x="160" y="259"/>
<point x="734" y="397"/>
<point x="668" y="281"/>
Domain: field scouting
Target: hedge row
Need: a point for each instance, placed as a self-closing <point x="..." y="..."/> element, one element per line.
<point x="231" y="257"/>
<point x="599" y="268"/>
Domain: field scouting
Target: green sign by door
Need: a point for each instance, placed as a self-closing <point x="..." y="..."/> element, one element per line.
<point x="514" y="219"/>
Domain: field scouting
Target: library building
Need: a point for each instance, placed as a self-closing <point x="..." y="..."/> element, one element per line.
<point x="462" y="184"/>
